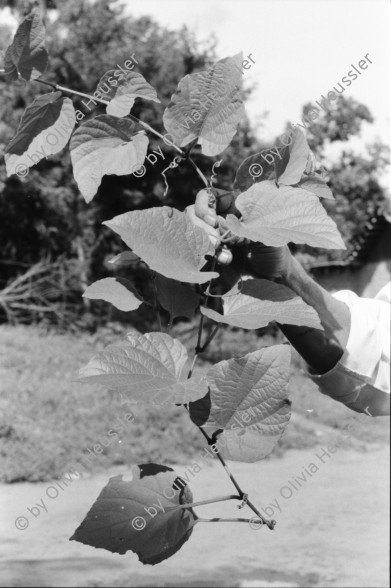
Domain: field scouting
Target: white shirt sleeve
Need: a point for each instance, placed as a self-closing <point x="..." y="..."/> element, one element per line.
<point x="368" y="348"/>
<point x="361" y="378"/>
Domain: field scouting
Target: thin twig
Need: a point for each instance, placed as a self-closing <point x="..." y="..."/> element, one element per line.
<point x="270" y="524"/>
<point x="156" y="304"/>
<point x="210" y="337"/>
<point x="230" y="474"/>
<point x="209" y="501"/>
<point x="199" y="172"/>
<point x="54" y="86"/>
<point x="192" y="366"/>
<point x="224" y="520"/>
<point x="198" y="348"/>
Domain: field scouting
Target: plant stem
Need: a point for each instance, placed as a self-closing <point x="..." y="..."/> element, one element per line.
<point x="203" y="178"/>
<point x="199" y="336"/>
<point x="223" y="520"/>
<point x="212" y="269"/>
<point x="192" y="366"/>
<point x="156" y="307"/>
<point x="271" y="524"/>
<point x="54" y="86"/>
<point x="241" y="495"/>
<point x="230" y="475"/>
<point x="210" y="337"/>
<point x="198" y="348"/>
<point x="209" y="501"/>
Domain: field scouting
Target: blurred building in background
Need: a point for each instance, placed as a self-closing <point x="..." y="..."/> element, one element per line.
<point x="367" y="268"/>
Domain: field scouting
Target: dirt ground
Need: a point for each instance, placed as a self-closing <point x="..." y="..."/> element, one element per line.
<point x="331" y="531"/>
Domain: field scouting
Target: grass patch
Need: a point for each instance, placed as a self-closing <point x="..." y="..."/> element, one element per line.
<point x="49" y="422"/>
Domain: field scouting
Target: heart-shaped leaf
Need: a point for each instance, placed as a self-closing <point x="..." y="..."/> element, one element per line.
<point x="105" y="145"/>
<point x="149" y="367"/>
<point x="27" y="54"/>
<point x="261" y="301"/>
<point x="142" y="515"/>
<point x="178" y="299"/>
<point x="248" y="402"/>
<point x="277" y="216"/>
<point x="167" y="241"/>
<point x="45" y="128"/>
<point x="207" y="106"/>
<point x="118" y="291"/>
<point x="123" y="92"/>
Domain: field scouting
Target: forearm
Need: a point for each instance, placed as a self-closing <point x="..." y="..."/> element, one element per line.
<point x="320" y="349"/>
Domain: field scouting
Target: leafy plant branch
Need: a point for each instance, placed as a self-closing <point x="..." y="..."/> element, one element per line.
<point x="241" y="405"/>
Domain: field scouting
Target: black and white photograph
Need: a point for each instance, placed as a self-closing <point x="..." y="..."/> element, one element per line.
<point x="195" y="293"/>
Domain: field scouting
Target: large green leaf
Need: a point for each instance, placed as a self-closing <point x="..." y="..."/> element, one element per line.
<point x="140" y="515"/>
<point x="207" y="106"/>
<point x="294" y="158"/>
<point x="123" y="92"/>
<point x="44" y="129"/>
<point x="178" y="299"/>
<point x="261" y="301"/>
<point x="277" y="216"/>
<point x="105" y="145"/>
<point x="247" y="403"/>
<point x="167" y="241"/>
<point x="118" y="291"/>
<point x="149" y="367"/>
<point x="255" y="168"/>
<point x="27" y="54"/>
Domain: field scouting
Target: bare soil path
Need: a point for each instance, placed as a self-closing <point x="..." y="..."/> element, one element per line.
<point x="332" y="530"/>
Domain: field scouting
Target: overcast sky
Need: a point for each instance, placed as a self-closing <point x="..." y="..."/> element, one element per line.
<point x="301" y="49"/>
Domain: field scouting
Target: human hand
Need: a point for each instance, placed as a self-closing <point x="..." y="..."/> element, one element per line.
<point x="256" y="259"/>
